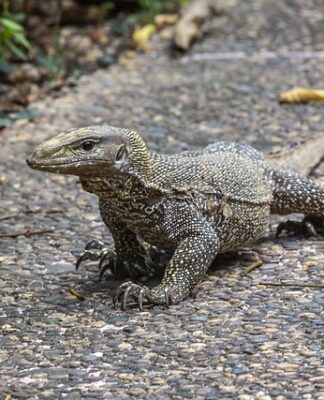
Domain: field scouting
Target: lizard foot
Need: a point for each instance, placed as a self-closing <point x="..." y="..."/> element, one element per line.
<point x="139" y="266"/>
<point x="140" y="293"/>
<point x="309" y="226"/>
<point x="93" y="252"/>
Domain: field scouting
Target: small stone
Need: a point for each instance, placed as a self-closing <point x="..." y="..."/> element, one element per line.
<point x="125" y="346"/>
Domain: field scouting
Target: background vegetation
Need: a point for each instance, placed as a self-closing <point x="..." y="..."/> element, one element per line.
<point x="45" y="45"/>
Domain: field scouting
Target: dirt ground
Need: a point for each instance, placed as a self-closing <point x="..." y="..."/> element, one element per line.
<point x="236" y="339"/>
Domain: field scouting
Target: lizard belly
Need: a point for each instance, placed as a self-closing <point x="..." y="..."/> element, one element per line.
<point x="245" y="225"/>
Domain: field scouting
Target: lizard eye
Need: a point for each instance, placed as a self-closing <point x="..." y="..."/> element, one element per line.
<point x="121" y="153"/>
<point x="88" y="145"/>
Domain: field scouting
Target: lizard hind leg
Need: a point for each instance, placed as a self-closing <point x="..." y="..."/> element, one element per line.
<point x="309" y="226"/>
<point x="293" y="193"/>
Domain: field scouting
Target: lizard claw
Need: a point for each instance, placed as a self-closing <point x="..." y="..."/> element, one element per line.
<point x="140" y="298"/>
<point x="104" y="255"/>
<point x="91" y="254"/>
<point x="140" y="293"/>
<point x="111" y="264"/>
<point x="109" y="260"/>
<point x="130" y="289"/>
<point x="167" y="297"/>
<point x="93" y="251"/>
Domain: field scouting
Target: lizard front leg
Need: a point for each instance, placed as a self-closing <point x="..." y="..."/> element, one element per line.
<point x="197" y="246"/>
<point x="128" y="258"/>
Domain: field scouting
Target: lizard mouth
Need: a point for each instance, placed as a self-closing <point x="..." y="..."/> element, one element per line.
<point x="58" y="166"/>
<point x="32" y="163"/>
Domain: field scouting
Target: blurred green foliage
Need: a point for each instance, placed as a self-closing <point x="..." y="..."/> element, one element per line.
<point x="150" y="8"/>
<point x="124" y="22"/>
<point x="12" y="36"/>
<point x="13" y="41"/>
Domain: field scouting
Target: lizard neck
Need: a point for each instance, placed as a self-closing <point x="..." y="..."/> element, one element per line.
<point x="132" y="177"/>
<point x="114" y="186"/>
<point x="140" y="157"/>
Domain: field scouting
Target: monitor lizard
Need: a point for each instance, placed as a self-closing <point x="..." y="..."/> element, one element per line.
<point x="194" y="204"/>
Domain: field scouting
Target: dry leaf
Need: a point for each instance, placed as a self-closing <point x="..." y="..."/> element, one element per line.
<point x="75" y="293"/>
<point x="301" y="95"/>
<point x="189" y="26"/>
<point x="141" y="37"/>
<point x="162" y="20"/>
<point x="167" y="33"/>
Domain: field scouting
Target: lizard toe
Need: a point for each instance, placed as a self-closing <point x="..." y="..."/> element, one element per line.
<point x="160" y="295"/>
<point x="129" y="290"/>
<point x="92" y="252"/>
<point x="88" y="255"/>
<point x="94" y="244"/>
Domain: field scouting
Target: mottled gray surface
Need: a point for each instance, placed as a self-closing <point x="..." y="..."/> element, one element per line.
<point x="235" y="339"/>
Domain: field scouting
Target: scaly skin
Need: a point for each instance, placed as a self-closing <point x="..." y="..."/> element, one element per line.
<point x="193" y="204"/>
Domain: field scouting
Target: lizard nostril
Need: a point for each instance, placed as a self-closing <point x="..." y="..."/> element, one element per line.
<point x="30" y="160"/>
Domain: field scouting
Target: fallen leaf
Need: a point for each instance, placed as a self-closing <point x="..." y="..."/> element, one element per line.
<point x="75" y="293"/>
<point x="189" y="25"/>
<point x="301" y="95"/>
<point x="141" y="37"/>
<point x="163" y="20"/>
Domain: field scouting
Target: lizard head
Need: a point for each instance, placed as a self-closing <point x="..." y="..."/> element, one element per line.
<point x="92" y="151"/>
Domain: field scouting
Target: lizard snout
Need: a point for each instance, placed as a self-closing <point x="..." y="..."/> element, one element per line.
<point x="37" y="157"/>
<point x="30" y="160"/>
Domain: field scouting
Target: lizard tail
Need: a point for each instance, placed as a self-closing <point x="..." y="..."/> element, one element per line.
<point x="302" y="158"/>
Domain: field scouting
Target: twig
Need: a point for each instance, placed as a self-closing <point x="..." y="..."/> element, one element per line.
<point x="46" y="212"/>
<point x="7" y="216"/>
<point x="27" y="234"/>
<point x="292" y="284"/>
<point x="257" y="263"/>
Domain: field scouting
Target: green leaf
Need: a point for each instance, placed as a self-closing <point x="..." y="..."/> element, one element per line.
<point x="18" y="17"/>
<point x="7" y="120"/>
<point x="21" y="39"/>
<point x="26" y="114"/>
<point x="16" y="50"/>
<point x="10" y="24"/>
<point x="53" y="64"/>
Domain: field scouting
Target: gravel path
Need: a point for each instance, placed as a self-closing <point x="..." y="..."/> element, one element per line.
<point x="236" y="339"/>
